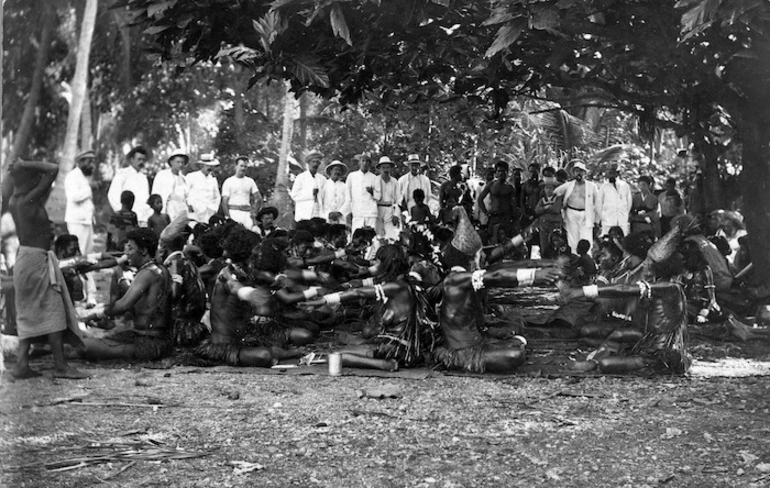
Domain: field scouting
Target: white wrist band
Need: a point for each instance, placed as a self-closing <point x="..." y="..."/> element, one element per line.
<point x="340" y="254"/>
<point x="333" y="299"/>
<point x="311" y="292"/>
<point x="308" y="275"/>
<point x="526" y="276"/>
<point x="517" y="241"/>
<point x="122" y="259"/>
<point x="367" y="282"/>
<point x="591" y="291"/>
<point x="477" y="279"/>
<point x="244" y="292"/>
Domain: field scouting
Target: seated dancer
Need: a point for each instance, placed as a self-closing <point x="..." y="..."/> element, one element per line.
<point x="661" y="314"/>
<point x="44" y="310"/>
<point x="76" y="268"/>
<point x="404" y="331"/>
<point x="147" y="299"/>
<point x="233" y="305"/>
<point x="461" y="316"/>
<point x="188" y="293"/>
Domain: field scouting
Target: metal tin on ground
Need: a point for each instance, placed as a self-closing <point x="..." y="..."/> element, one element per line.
<point x="335" y="364"/>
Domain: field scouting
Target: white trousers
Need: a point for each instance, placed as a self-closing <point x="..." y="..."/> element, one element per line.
<point x="242" y="217"/>
<point x="359" y="222"/>
<point x="578" y="227"/>
<point x="385" y="227"/>
<point x="85" y="235"/>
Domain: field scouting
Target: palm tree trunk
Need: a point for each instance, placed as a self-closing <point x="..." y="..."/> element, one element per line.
<point x="57" y="202"/>
<point x="86" y="124"/>
<point x="281" y="198"/>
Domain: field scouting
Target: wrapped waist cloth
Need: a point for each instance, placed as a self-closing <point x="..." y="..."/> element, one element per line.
<point x="43" y="303"/>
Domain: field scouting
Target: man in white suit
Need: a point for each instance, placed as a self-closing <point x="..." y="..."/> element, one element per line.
<point x="308" y="189"/>
<point x="613" y="203"/>
<point x="579" y="206"/>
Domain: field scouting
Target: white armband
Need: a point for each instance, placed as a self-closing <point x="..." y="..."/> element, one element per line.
<point x="477" y="279"/>
<point x="243" y="293"/>
<point x="591" y="291"/>
<point x="526" y="276"/>
<point x="278" y="277"/>
<point x="517" y="241"/>
<point x="311" y="292"/>
<point x="93" y="257"/>
<point x="333" y="299"/>
<point x="122" y="259"/>
<point x="367" y="282"/>
<point x="340" y="254"/>
<point x="308" y="275"/>
<point x="177" y="278"/>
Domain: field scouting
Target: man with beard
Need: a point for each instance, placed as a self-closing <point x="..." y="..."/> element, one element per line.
<point x="171" y="185"/>
<point x="578" y="199"/>
<point x="412" y="181"/>
<point x="79" y="214"/>
<point x="133" y="179"/>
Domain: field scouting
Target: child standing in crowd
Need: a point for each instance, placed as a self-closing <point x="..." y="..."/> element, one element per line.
<point x="122" y="222"/>
<point x="548" y="212"/>
<point x="158" y="220"/>
<point x="420" y="213"/>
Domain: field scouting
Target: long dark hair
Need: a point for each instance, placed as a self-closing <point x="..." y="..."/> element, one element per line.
<point x="393" y="262"/>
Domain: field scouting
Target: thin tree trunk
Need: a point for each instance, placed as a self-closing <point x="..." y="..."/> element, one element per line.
<point x="86" y="124"/>
<point x="281" y="198"/>
<point x="125" y="61"/>
<point x="238" y="110"/>
<point x="303" y="123"/>
<point x="56" y="201"/>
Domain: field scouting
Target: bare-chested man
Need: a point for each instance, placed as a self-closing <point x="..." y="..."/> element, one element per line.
<point x="43" y="307"/>
<point x="503" y="203"/>
<point x="148" y="300"/>
<point x="461" y="316"/>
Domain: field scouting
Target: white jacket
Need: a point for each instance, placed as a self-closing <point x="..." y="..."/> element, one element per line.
<point x="80" y="203"/>
<point x="566" y="189"/>
<point x="613" y="203"/>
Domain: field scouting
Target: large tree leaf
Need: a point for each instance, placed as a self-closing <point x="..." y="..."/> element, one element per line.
<point x="156" y="29"/>
<point x="269" y="27"/>
<point x="506" y="36"/>
<point x="339" y="26"/>
<point x="158" y="8"/>
<point x="308" y="72"/>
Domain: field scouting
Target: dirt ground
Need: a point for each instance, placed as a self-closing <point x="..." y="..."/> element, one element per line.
<point x="159" y="425"/>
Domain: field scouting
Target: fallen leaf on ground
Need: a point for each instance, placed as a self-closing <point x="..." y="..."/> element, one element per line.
<point x="763" y="467"/>
<point x="671" y="432"/>
<point x="387" y="391"/>
<point x="748" y="458"/>
<point x="243" y="467"/>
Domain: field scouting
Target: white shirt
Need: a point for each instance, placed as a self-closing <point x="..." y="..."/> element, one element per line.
<point x="173" y="190"/>
<point x="129" y="179"/>
<point x="565" y="190"/>
<point x="386" y="191"/>
<point x="362" y="203"/>
<point x="203" y="196"/>
<point x="307" y="205"/>
<point x="80" y="203"/>
<point x="239" y="190"/>
<point x="613" y="203"/>
<point x="335" y="198"/>
<point x="407" y="184"/>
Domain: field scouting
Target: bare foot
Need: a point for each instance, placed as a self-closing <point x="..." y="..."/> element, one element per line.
<point x="395" y="365"/>
<point x="24" y="373"/>
<point x="70" y="373"/>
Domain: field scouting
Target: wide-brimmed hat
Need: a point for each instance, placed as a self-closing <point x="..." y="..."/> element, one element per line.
<point x="85" y="154"/>
<point x="334" y="163"/>
<point x="267" y="210"/>
<point x="313" y="155"/>
<point x="579" y="165"/>
<point x="208" y="160"/>
<point x="179" y="154"/>
<point x="414" y="159"/>
<point x="384" y="160"/>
